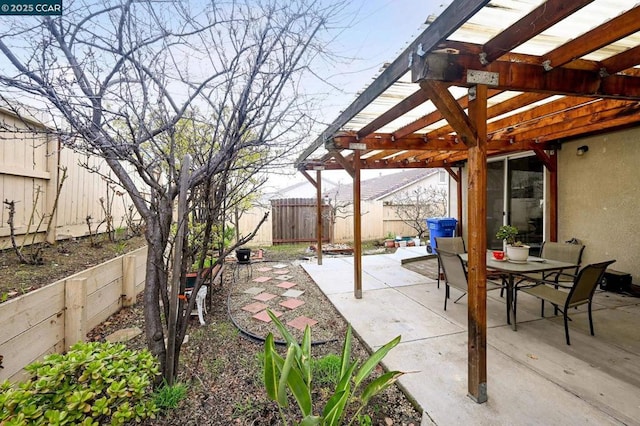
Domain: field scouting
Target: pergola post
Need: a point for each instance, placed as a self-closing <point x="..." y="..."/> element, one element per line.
<point x="553" y="197"/>
<point x="317" y="184"/>
<point x="477" y="263"/>
<point x="357" y="228"/>
<point x="319" y="214"/>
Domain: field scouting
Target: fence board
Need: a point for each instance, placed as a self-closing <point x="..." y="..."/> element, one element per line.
<point x="294" y="220"/>
<point x="29" y="161"/>
<point x="250" y="219"/>
<point x="377" y="222"/>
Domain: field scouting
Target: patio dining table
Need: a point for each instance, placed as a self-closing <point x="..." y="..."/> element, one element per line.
<point x="513" y="270"/>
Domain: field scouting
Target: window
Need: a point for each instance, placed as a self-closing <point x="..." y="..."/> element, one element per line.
<point x="442" y="176"/>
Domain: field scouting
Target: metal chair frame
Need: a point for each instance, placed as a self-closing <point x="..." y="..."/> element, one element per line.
<point x="450" y="244"/>
<point x="581" y="293"/>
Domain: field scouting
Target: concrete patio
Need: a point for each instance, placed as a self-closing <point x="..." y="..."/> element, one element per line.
<point x="534" y="378"/>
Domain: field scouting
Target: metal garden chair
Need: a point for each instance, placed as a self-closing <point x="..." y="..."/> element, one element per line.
<point x="584" y="286"/>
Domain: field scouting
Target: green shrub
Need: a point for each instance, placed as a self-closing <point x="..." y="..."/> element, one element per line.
<point x="94" y="383"/>
<point x="169" y="397"/>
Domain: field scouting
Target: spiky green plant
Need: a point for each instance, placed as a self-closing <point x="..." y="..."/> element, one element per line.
<point x="294" y="373"/>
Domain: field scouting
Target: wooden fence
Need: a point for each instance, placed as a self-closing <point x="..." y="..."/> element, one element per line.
<point x="56" y="316"/>
<point x="31" y="160"/>
<point x="378" y="222"/>
<point x="250" y="219"/>
<point x="295" y="221"/>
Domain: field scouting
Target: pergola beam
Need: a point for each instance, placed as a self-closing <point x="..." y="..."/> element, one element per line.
<point x="346" y="165"/>
<point x="454" y="69"/>
<point x="622" y="61"/>
<point x="386" y="141"/>
<point x="596" y="113"/>
<point x="450" y="109"/>
<point x="540" y="113"/>
<point x="434" y="117"/>
<point x="518" y="101"/>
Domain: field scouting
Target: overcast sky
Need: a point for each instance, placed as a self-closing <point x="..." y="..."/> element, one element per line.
<point x="374" y="32"/>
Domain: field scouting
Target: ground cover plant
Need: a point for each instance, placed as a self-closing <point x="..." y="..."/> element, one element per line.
<point x="93" y="383"/>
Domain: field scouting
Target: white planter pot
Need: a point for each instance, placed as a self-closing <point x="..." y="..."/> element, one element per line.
<point x="520" y="253"/>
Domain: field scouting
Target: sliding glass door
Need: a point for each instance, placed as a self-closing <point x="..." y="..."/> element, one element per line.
<point x="515" y="196"/>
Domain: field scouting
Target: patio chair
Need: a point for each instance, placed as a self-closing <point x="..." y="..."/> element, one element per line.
<point x="455" y="274"/>
<point x="584" y="286"/>
<point x="562" y="252"/>
<point x="450" y="244"/>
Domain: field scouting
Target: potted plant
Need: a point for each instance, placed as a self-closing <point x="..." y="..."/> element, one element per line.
<point x="516" y="251"/>
<point x="389" y="241"/>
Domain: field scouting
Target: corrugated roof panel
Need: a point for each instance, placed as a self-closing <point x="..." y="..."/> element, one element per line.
<point x="613" y="49"/>
<point x="492" y="19"/>
<point x="482" y="27"/>
<point x="582" y="21"/>
<point x="394" y="154"/>
<point x="499" y="15"/>
<point x="370" y="153"/>
<point x="418" y="112"/>
<point x="435" y="126"/>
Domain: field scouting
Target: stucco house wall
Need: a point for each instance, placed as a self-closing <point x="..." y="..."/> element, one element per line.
<point x="599" y="198"/>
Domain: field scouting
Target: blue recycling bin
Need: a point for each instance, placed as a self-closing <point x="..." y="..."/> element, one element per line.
<point x="440" y="227"/>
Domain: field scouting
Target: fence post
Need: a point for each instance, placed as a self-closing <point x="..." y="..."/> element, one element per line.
<point x="75" y="317"/>
<point x="128" y="280"/>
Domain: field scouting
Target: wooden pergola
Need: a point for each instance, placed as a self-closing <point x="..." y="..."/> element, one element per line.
<point x="465" y="90"/>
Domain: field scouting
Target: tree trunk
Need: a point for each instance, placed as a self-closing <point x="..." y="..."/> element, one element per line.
<point x="157" y="235"/>
<point x="152" y="318"/>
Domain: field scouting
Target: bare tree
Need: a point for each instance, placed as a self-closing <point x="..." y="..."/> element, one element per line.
<point x="413" y="207"/>
<point x="340" y="202"/>
<point x="117" y="77"/>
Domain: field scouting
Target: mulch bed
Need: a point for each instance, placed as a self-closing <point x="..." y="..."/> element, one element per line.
<point x="221" y="363"/>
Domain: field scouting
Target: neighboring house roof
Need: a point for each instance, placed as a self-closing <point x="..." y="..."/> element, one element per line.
<point x="300" y="190"/>
<point x="382" y="186"/>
